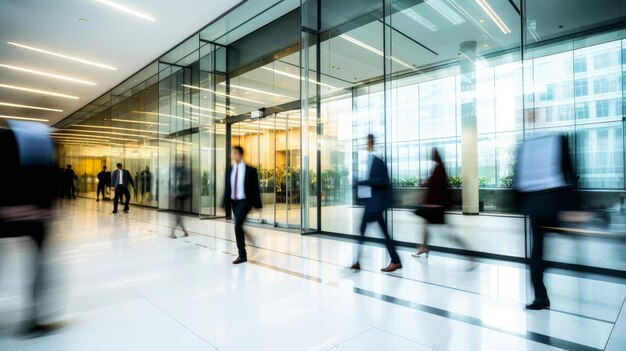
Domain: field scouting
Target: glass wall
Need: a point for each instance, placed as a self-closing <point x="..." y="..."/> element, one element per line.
<point x="122" y="128"/>
<point x="300" y="84"/>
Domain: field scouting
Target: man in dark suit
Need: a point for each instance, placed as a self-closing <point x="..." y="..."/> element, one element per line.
<point x="241" y="193"/>
<point x="26" y="202"/>
<point x="376" y="191"/>
<point x="70" y="177"/>
<point x="102" y="182"/>
<point x="120" y="180"/>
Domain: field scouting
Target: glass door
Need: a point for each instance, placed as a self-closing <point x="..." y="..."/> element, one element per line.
<point x="272" y="145"/>
<point x="288" y="168"/>
<point x="257" y="139"/>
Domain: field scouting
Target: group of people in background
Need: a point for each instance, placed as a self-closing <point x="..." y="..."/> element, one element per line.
<point x="116" y="182"/>
<point x="544" y="180"/>
<point x="66" y="182"/>
<point x="542" y="187"/>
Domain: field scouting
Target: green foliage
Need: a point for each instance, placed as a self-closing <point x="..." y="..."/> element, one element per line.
<point x="204" y="189"/>
<point x="483" y="181"/>
<point x="506" y="181"/>
<point x="455" y="181"/>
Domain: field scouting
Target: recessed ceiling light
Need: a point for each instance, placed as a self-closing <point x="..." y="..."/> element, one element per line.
<point x="62" y="56"/>
<point x="127" y="10"/>
<point x="482" y="21"/>
<point x="485" y="45"/>
<point x="28" y="70"/>
<point x="24" y="118"/>
<point x="82" y="20"/>
<point x="38" y="91"/>
<point x="32" y="107"/>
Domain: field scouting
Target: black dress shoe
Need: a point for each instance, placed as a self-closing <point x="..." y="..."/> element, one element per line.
<point x="114" y="211"/>
<point x="356" y="266"/>
<point x="240" y="260"/>
<point x="34" y="330"/>
<point x="539" y="304"/>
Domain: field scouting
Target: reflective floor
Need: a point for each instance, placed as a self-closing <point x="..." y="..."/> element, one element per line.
<point x="121" y="284"/>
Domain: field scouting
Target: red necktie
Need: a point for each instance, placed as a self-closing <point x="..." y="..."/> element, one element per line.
<point x="235" y="186"/>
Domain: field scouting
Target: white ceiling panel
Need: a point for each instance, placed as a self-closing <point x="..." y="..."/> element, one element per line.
<point x="108" y="36"/>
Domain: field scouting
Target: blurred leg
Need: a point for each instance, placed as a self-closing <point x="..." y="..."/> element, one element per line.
<point x="127" y="195"/>
<point x="38" y="233"/>
<point x="388" y="242"/>
<point x="240" y="209"/>
<point x="537" y="265"/>
<point x="116" y="197"/>
<point x="362" y="229"/>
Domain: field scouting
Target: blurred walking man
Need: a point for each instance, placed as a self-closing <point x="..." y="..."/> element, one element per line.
<point x="376" y="192"/>
<point x="544" y="178"/>
<point x="240" y="195"/>
<point x="26" y="203"/>
<point x="181" y="191"/>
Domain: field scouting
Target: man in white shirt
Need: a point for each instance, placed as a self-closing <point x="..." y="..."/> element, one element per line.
<point x="240" y="195"/>
<point x="376" y="191"/>
<point x="544" y="179"/>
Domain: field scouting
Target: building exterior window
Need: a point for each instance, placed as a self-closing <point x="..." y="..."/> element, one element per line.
<point x="548" y="95"/>
<point x="582" y="111"/>
<point x="602" y="108"/>
<point x="548" y="112"/>
<point x="580" y="87"/>
<point x="601" y="85"/>
<point x="602" y="60"/>
<point x="580" y="64"/>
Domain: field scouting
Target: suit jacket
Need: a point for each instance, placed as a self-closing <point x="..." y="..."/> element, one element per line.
<point x="22" y="184"/>
<point x="102" y="177"/>
<point x="127" y="178"/>
<point x="70" y="175"/>
<point x="546" y="203"/>
<point x="250" y="188"/>
<point x="379" y="182"/>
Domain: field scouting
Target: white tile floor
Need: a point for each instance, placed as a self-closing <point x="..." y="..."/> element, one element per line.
<point x="121" y="284"/>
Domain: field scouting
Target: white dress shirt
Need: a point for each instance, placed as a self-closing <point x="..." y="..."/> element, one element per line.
<point x="364" y="191"/>
<point x="119" y="178"/>
<point x="240" y="168"/>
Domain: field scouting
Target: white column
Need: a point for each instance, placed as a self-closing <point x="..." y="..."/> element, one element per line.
<point x="469" y="138"/>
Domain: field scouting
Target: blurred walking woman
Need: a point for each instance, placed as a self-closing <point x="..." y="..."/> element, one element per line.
<point x="436" y="201"/>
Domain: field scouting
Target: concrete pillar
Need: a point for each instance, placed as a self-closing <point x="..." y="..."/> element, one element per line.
<point x="469" y="138"/>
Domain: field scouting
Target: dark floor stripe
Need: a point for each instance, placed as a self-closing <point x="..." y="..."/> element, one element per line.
<point x="537" y="337"/>
<point x="532" y="336"/>
<point x="540" y="338"/>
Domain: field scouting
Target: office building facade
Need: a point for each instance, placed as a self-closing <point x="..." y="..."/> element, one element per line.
<point x="299" y="84"/>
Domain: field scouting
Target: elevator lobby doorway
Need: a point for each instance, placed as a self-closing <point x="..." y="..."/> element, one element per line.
<point x="272" y="145"/>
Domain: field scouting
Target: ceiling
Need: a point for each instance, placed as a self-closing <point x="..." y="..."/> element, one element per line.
<point x="353" y="57"/>
<point x="106" y="36"/>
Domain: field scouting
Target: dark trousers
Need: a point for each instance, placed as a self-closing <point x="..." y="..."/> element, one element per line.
<point x="370" y="217"/>
<point x="101" y="190"/>
<point x="179" y="201"/>
<point x="70" y="190"/>
<point x="241" y="208"/>
<point x="120" y="191"/>
<point x="37" y="231"/>
<point x="537" y="265"/>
